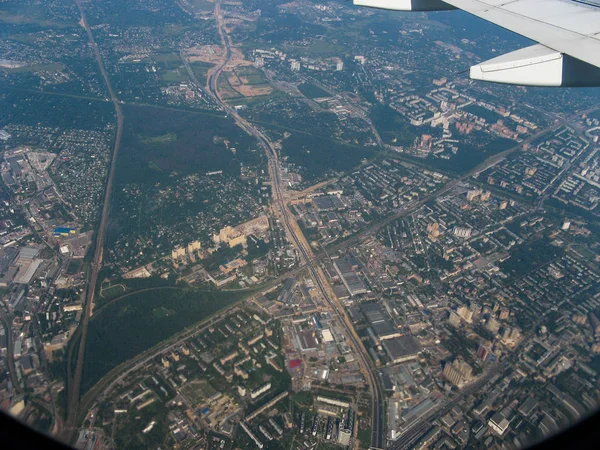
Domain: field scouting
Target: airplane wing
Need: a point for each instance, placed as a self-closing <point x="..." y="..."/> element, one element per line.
<point x="568" y="32"/>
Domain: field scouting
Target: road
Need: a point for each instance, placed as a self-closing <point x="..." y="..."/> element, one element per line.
<point x="74" y="382"/>
<point x="420" y="427"/>
<point x="114" y="377"/>
<point x="279" y="205"/>
<point x="296" y="236"/>
<point x="10" y="347"/>
<point x="490" y="162"/>
<point x="407" y="440"/>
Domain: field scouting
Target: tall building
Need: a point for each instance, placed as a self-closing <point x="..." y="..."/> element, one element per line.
<point x="458" y="373"/>
<point x="344" y="437"/>
<point x="473" y="194"/>
<point x="295" y="66"/>
<point x="230" y="236"/>
<point x="498" y="423"/>
<point x="530" y="171"/>
<point x="193" y="247"/>
<point x="579" y="319"/>
<point x="484" y="353"/>
<point x="566" y="225"/>
<point x="492" y="325"/>
<point x="339" y="66"/>
<point x="476" y="308"/>
<point x="178" y="252"/>
<point x="454" y="319"/>
<point x="465" y="313"/>
<point x="515" y="334"/>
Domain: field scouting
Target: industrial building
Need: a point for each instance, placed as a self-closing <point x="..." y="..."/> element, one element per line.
<point x="328" y="203"/>
<point x="498" y="423"/>
<point x="379" y="321"/>
<point x="27" y="264"/>
<point x="288" y="290"/>
<point x="348" y="276"/>
<point x="401" y="349"/>
<point x="307" y="340"/>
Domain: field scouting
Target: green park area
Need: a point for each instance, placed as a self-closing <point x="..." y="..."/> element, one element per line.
<point x="530" y="256"/>
<point x="157" y="142"/>
<point x="312" y="91"/>
<point x="319" y="156"/>
<point x="124" y="329"/>
<point x="393" y="128"/>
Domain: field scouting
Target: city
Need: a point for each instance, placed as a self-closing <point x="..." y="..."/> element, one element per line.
<point x="277" y="225"/>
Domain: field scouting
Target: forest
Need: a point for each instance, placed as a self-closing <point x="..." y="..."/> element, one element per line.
<point x="127" y="328"/>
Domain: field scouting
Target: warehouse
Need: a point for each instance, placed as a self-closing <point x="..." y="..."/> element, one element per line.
<point x="379" y="321"/>
<point x="352" y="282"/>
<point x="403" y="348"/>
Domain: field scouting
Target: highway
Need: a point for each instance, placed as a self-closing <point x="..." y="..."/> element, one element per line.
<point x="311" y="262"/>
<point x="295" y="234"/>
<point x="74" y="381"/>
<point x="77" y="354"/>
<point x="10" y="347"/>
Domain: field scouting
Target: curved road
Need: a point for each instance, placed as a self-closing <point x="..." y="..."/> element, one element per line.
<point x="74" y="381"/>
<point x="74" y="378"/>
<point x="297" y="237"/>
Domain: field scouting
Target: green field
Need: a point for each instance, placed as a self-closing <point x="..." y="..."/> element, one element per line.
<point x="311" y="91"/>
<point x="177" y="75"/>
<point x="19" y="13"/>
<point x="198" y="391"/>
<point x="251" y="101"/>
<point x="252" y="75"/>
<point x="530" y="256"/>
<point x="37" y="109"/>
<point x="318" y="48"/>
<point x="200" y="70"/>
<point x="74" y="266"/>
<point x="470" y="154"/>
<point x="202" y="5"/>
<point x="162" y="139"/>
<point x="125" y="328"/>
<point x="167" y="57"/>
<point x="53" y="67"/>
<point x="113" y="291"/>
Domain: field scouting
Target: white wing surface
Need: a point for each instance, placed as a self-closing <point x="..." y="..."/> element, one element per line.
<point x="568" y="32"/>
